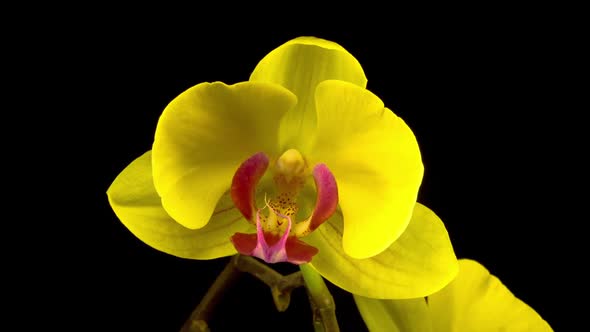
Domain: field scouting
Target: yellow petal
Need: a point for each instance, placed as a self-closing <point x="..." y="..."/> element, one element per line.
<point x="299" y="65"/>
<point x="134" y="199"/>
<point x="419" y="263"/>
<point x="478" y="301"/>
<point x="202" y="137"/>
<point x="376" y="161"/>
<point x="394" y="315"/>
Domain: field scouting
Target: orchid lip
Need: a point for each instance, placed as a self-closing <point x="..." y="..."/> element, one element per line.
<point x="276" y="252"/>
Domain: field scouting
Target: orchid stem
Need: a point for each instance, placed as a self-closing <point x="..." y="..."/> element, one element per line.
<point x="322" y="302"/>
<point x="280" y="286"/>
<point x="197" y="321"/>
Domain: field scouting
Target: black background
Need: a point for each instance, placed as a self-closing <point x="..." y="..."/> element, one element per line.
<point x="479" y="94"/>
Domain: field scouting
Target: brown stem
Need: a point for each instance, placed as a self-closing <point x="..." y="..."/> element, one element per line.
<point x="322" y="303"/>
<point x="197" y="321"/>
<point x="280" y="286"/>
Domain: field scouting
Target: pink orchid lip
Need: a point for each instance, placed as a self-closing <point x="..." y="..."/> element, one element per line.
<point x="267" y="246"/>
<point x="276" y="252"/>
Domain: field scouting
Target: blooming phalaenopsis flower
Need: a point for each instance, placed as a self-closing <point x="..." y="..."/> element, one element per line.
<point x="475" y="301"/>
<point x="299" y="164"/>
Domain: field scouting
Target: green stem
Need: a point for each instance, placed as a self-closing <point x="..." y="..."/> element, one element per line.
<point x="322" y="302"/>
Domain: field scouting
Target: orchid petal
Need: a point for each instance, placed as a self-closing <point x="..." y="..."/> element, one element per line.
<point x="409" y="315"/>
<point x="134" y="200"/>
<point x="478" y="301"/>
<point x="300" y="65"/>
<point x="376" y="161"/>
<point x="204" y="135"/>
<point x="420" y="262"/>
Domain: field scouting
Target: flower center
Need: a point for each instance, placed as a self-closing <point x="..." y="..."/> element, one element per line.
<point x="277" y="231"/>
<point x="290" y="173"/>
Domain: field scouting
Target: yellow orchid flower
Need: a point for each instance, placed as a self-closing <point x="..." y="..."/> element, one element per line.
<point x="475" y="301"/>
<point x="299" y="164"/>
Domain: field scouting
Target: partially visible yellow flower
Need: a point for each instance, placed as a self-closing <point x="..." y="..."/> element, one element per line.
<point x="475" y="301"/>
<point x="300" y="163"/>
